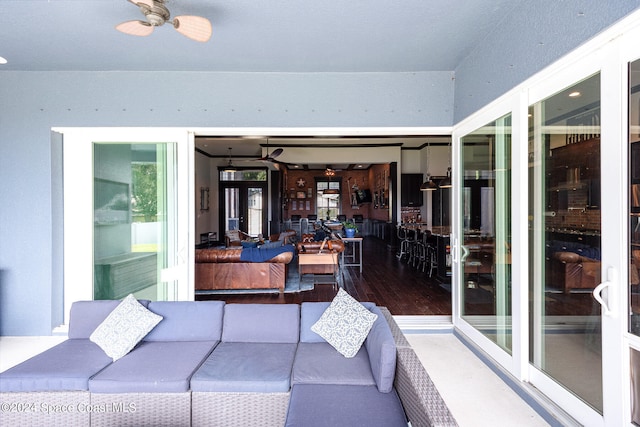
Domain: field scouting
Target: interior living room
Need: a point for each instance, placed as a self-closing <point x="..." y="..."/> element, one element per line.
<point x="486" y="152"/>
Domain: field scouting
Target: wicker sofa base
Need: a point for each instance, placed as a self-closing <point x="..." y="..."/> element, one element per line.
<point x="239" y="409"/>
<point x="141" y="409"/>
<point x="420" y="398"/>
<point x="54" y="408"/>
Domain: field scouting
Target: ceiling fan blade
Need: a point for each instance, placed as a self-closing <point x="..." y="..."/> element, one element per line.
<point x="275" y="153"/>
<point x="194" y="27"/>
<point x="270" y="157"/>
<point x="148" y="3"/>
<point x="135" y="28"/>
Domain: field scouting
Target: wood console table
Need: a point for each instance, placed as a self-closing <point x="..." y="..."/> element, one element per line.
<point x="354" y="241"/>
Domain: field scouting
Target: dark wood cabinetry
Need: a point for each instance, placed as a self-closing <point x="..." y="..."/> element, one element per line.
<point x="410" y="194"/>
<point x="574" y="176"/>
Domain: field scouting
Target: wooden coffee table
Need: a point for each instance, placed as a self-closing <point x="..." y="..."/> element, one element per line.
<point x="319" y="263"/>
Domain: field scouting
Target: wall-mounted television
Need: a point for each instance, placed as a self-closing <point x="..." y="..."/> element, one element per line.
<point x="363" y="196"/>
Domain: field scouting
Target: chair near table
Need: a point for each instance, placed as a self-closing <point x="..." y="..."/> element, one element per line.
<point x="296" y="224"/>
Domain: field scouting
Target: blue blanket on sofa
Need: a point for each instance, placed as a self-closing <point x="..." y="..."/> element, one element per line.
<point x="264" y="254"/>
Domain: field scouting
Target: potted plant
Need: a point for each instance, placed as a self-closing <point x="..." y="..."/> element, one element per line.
<point x="350" y="228"/>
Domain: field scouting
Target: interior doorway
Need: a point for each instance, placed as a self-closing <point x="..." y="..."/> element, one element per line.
<point x="242" y="196"/>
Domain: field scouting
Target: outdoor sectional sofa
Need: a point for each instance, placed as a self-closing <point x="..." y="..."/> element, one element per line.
<point x="214" y="364"/>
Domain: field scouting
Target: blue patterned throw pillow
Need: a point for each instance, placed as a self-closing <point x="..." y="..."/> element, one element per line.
<point x="345" y="324"/>
<point x="124" y="327"/>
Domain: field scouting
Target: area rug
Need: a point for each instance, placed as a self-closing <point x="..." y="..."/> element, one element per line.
<point x="293" y="284"/>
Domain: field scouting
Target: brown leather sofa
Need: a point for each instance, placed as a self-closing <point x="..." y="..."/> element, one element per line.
<point x="574" y="271"/>
<point x="308" y="245"/>
<point x="220" y="269"/>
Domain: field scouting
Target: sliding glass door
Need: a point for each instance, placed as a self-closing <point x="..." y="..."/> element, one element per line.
<point x="565" y="237"/>
<point x="128" y="209"/>
<point x="485" y="230"/>
<point x="134" y="205"/>
<point x="633" y="289"/>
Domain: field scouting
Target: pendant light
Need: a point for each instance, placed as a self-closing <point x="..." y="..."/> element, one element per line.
<point x="229" y="167"/>
<point x="428" y="185"/>
<point x="446" y="183"/>
<point x="330" y="192"/>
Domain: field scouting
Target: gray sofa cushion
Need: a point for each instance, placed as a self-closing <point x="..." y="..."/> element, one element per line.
<point x="160" y="367"/>
<point x="320" y="363"/>
<point x="343" y="405"/>
<point x="246" y="367"/>
<point x="275" y="323"/>
<point x="310" y="312"/>
<point x="86" y="316"/>
<point x="381" y="348"/>
<point x="187" y="321"/>
<point x="66" y="366"/>
<point x="380" y="345"/>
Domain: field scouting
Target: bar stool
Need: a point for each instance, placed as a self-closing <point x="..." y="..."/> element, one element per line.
<point x="412" y="242"/>
<point x="420" y="259"/>
<point x="432" y="259"/>
<point x="432" y="253"/>
<point x="403" y="237"/>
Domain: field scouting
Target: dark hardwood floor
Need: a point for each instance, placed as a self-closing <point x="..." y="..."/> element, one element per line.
<point x="384" y="280"/>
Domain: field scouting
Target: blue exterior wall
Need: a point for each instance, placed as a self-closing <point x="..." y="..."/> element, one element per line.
<point x="512" y="52"/>
<point x="31" y="103"/>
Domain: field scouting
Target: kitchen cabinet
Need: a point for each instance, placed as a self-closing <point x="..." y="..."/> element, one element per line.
<point x="410" y="194"/>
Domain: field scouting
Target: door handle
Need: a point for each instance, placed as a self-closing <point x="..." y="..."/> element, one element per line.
<point x="609" y="307"/>
<point x="465" y="253"/>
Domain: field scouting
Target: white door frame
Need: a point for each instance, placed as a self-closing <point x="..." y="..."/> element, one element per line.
<point x="78" y="206"/>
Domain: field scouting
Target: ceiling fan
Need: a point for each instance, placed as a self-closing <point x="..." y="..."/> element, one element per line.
<point x="156" y="13"/>
<point x="271" y="157"/>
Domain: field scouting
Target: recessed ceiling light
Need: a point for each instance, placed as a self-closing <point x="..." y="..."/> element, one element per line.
<point x="2" y="60"/>
<point x="575" y="94"/>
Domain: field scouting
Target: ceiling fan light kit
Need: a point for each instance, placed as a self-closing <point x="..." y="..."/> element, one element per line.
<point x="156" y="13"/>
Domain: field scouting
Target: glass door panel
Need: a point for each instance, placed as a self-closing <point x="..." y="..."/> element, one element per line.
<point x="486" y="224"/>
<point x="232" y="216"/>
<point x="565" y="226"/>
<point x="255" y="212"/>
<point x="243" y="194"/>
<point x="634" y="197"/>
<point x="133" y="207"/>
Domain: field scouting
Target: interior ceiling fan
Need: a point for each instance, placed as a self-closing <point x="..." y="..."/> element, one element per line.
<point x="271" y="157"/>
<point x="156" y="13"/>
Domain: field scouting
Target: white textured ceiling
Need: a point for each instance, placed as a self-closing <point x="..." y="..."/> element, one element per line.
<point x="250" y="35"/>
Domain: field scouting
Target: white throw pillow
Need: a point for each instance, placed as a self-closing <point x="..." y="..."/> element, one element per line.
<point x="124" y="327"/>
<point x="345" y="324"/>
